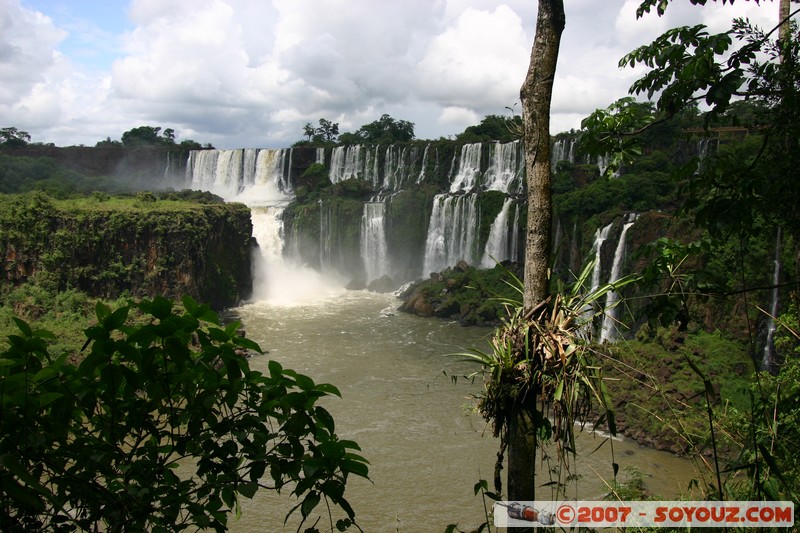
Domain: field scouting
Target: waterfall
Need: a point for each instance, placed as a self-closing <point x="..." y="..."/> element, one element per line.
<point x="506" y="167"/>
<point x="497" y="245"/>
<point x="421" y="175"/>
<point x="452" y="232"/>
<point x="768" y="359"/>
<point x="325" y="238"/>
<point x="602" y="164"/>
<point x="397" y="166"/>
<point x="600" y="237"/>
<point x="608" y="330"/>
<point x="260" y="179"/>
<point x="373" y="240"/>
<point x="563" y="150"/>
<point x="346" y="163"/>
<point x="469" y="168"/>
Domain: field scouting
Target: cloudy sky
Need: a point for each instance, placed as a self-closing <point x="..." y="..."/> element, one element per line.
<point x="251" y="73"/>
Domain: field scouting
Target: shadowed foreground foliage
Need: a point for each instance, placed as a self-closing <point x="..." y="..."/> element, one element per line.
<point x="160" y="427"/>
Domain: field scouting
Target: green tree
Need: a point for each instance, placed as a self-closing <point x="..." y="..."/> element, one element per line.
<point x="107" y="143"/>
<point x="98" y="445"/>
<point x="327" y="130"/>
<point x="13" y="137"/>
<point x="309" y="130"/>
<point x="688" y="65"/>
<point x="386" y="130"/>
<point x="142" y="136"/>
<point x="493" y="128"/>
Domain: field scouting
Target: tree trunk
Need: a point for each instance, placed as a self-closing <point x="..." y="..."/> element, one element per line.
<point x="535" y="95"/>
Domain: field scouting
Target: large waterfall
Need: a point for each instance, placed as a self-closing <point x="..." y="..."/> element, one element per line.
<point x="419" y="208"/>
<point x="259" y="178"/>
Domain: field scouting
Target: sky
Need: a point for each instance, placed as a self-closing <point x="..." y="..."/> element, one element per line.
<point x="252" y="73"/>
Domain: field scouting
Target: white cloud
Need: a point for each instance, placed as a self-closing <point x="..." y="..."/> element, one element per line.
<point x="479" y="62"/>
<point x="251" y="73"/>
<point x="458" y="118"/>
<point x="28" y="63"/>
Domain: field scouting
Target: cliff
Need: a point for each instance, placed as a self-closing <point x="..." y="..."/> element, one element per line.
<point x="106" y="247"/>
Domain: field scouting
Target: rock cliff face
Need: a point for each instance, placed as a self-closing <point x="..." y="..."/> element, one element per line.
<point x="136" y="247"/>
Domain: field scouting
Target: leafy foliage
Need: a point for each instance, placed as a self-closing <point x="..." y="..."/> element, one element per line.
<point x="661" y="5"/>
<point x="161" y="427"/>
<point x="493" y="128"/>
<point x="385" y="130"/>
<point x="769" y="443"/>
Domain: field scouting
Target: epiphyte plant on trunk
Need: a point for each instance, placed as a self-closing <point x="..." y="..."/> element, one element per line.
<point x="542" y="368"/>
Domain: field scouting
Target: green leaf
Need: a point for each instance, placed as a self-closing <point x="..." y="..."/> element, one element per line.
<point x="324" y="418"/>
<point x="23" y="326"/>
<point x="248" y="490"/>
<point x="101" y="311"/>
<point x="116" y="319"/>
<point x="355" y="467"/>
<point x="309" y="503"/>
<point x="327" y="388"/>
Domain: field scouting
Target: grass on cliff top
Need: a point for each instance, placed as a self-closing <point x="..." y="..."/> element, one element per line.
<point x="141" y="202"/>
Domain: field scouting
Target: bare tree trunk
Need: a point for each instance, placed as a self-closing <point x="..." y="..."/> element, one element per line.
<point x="535" y="95"/>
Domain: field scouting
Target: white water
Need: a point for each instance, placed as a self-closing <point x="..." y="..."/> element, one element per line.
<point x="469" y="168"/>
<point x="347" y="163"/>
<point x="506" y="167"/>
<point x="609" y="329"/>
<point x="497" y="245"/>
<point x="373" y="240"/>
<point x="452" y="232"/>
<point x="600" y="237"/>
<point x="514" y="251"/>
<point x="260" y="179"/>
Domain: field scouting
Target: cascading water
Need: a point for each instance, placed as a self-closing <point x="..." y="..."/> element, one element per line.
<point x="452" y="232"/>
<point x="373" y="240"/>
<point x="506" y="167"/>
<point x="600" y="237"/>
<point x="768" y="358"/>
<point x="498" y="245"/>
<point x="421" y="176"/>
<point x="347" y="162"/>
<point x="609" y="328"/>
<point x="563" y="150"/>
<point x="259" y="179"/>
<point x="469" y="168"/>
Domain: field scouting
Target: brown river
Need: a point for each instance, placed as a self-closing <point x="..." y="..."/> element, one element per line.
<point x="414" y="424"/>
